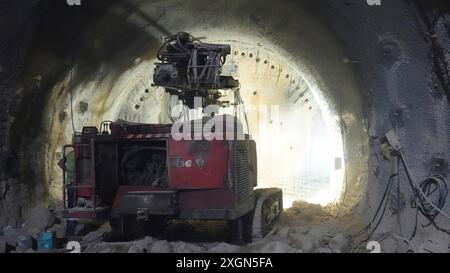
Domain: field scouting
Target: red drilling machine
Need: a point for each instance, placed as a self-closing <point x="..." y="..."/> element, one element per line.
<point x="146" y="174"/>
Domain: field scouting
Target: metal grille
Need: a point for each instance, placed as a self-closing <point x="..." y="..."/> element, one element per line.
<point x="147" y="129"/>
<point x="242" y="179"/>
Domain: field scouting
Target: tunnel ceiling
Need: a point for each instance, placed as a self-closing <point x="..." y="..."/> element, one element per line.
<point x="367" y="68"/>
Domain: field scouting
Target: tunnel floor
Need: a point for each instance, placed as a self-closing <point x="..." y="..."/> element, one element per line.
<point x="303" y="228"/>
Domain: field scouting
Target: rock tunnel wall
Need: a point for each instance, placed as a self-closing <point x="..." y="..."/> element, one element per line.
<point x="379" y="67"/>
<point x="401" y="59"/>
<point x="18" y="25"/>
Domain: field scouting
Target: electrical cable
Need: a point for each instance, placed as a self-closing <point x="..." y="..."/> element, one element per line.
<point x="377" y="210"/>
<point x="398" y="197"/>
<point x="441" y="187"/>
<point x="413" y="234"/>
<point x="382" y="214"/>
<point x="425" y="205"/>
<point x="382" y="204"/>
<point x="412" y="247"/>
<point x="420" y="200"/>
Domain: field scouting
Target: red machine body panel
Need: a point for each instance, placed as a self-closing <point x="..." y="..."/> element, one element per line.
<point x="125" y="189"/>
<point x="198" y="164"/>
<point x="210" y="199"/>
<point x="140" y="169"/>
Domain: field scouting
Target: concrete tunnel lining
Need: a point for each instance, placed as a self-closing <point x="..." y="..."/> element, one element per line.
<point x="351" y="64"/>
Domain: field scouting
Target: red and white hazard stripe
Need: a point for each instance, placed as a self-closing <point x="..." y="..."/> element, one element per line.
<point x="145" y="136"/>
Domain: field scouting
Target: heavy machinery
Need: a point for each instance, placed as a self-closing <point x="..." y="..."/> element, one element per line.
<point x="141" y="174"/>
<point x="190" y="68"/>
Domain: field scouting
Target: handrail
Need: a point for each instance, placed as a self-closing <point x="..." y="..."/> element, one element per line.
<point x="64" y="172"/>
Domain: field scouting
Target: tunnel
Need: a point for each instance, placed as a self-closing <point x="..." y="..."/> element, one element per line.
<point x="322" y="83"/>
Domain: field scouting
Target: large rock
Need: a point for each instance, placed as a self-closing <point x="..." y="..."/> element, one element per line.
<point x="224" y="248"/>
<point x="24" y="243"/>
<point x="301" y="229"/>
<point x="433" y="244"/>
<point x="142" y="246"/>
<point x="302" y="240"/>
<point x="279" y="247"/>
<point x="40" y="218"/>
<point x="135" y="249"/>
<point x="323" y="250"/>
<point x="181" y="247"/>
<point x="341" y="242"/>
<point x="10" y="235"/>
<point x="33" y="232"/>
<point x="105" y="228"/>
<point x="283" y="232"/>
<point x="121" y="247"/>
<point x="160" y="247"/>
<point x="60" y="230"/>
<point x="92" y="237"/>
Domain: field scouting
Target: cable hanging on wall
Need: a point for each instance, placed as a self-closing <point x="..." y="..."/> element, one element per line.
<point x="434" y="185"/>
<point x="71" y="98"/>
